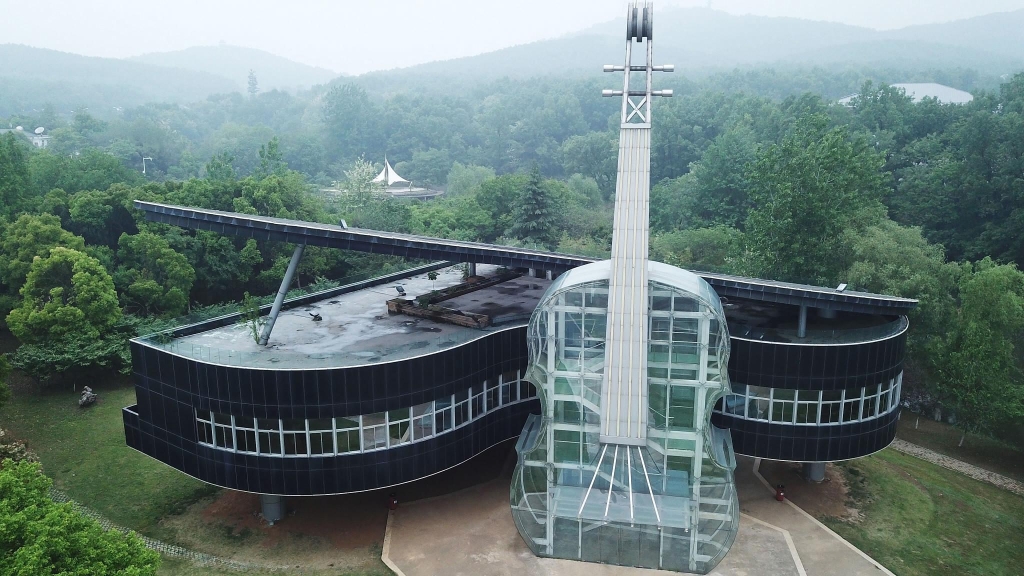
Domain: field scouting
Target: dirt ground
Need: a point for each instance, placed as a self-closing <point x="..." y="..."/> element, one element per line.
<point x="322" y="533"/>
<point x="829" y="498"/>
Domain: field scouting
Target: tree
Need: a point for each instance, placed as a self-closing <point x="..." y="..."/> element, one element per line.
<point x="5" y="391"/>
<point x="721" y="180"/>
<point x="498" y="197"/>
<point x="14" y="176"/>
<point x="716" y="249"/>
<point x="254" y="85"/>
<point x="463" y="179"/>
<point x="251" y="316"/>
<point x="594" y="155"/>
<point x="805" y="192"/>
<point x="66" y="293"/>
<point x="979" y="362"/>
<point x="897" y="260"/>
<point x="40" y="536"/>
<point x="151" y="276"/>
<point x="28" y="238"/>
<point x="533" y="217"/>
<point x="271" y="160"/>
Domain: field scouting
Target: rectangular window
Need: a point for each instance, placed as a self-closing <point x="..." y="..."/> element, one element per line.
<point x="375" y="431"/>
<point x="526" y="390"/>
<point x="347" y="435"/>
<point x="660" y="329"/>
<point x="321" y="436"/>
<point x="269" y="436"/>
<point x="245" y="434"/>
<point x="493" y="395"/>
<point x="204" y="430"/>
<point x="478" y="403"/>
<point x="567" y="446"/>
<point x="851" y="410"/>
<point x="443" y="417"/>
<point x="567" y="412"/>
<point x="295" y="438"/>
<point x="681" y="407"/>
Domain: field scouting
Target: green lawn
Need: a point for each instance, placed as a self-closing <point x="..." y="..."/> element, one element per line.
<point x="920" y="519"/>
<point x="83" y="450"/>
<point x="982" y="451"/>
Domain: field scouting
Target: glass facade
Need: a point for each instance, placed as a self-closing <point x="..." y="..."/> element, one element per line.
<point x="669" y="503"/>
<point x="812" y="407"/>
<point x="320" y="437"/>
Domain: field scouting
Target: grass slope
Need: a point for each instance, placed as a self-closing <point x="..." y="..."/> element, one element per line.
<point x="84" y="451"/>
<point x="920" y="519"/>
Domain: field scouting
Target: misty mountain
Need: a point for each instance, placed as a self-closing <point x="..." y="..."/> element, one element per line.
<point x="700" y="39"/>
<point x="30" y="77"/>
<point x="234" y="63"/>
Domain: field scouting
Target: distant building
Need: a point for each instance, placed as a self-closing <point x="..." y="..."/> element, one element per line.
<point x="38" y="138"/>
<point x="920" y="91"/>
<point x="400" y="187"/>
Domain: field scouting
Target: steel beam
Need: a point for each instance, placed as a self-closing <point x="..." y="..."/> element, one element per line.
<point x="285" y="283"/>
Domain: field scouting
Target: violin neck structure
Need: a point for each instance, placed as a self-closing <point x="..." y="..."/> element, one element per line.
<point x="628" y="357"/>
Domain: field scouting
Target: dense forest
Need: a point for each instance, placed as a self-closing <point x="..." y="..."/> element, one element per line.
<point x="754" y="173"/>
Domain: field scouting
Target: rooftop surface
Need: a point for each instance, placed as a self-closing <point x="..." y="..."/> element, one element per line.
<point x="355" y="328"/>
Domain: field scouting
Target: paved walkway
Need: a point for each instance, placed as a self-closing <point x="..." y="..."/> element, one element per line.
<point x="471" y="533"/>
<point x="822" y="551"/>
<point x="960" y="466"/>
<point x="164" y="548"/>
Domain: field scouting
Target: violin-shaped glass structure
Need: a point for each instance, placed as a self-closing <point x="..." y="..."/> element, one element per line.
<point x="629" y="357"/>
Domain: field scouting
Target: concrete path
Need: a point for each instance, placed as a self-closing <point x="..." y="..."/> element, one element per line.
<point x="822" y="551"/>
<point x="960" y="466"/>
<point x="471" y="533"/>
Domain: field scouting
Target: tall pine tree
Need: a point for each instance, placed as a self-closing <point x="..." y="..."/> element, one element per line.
<point x="533" y="217"/>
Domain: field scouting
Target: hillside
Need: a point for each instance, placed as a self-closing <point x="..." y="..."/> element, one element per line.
<point x="234" y="63"/>
<point x="699" y="39"/>
<point x="30" y="77"/>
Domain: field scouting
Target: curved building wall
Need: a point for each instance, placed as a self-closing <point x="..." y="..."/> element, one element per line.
<point x="813" y="402"/>
<point x="188" y="409"/>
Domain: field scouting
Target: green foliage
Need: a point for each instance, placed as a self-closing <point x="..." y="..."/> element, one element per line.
<point x="718" y="249"/>
<point x="251" y="316"/>
<point x="464" y="179"/>
<point x="980" y="359"/>
<point x="897" y="260"/>
<point x="40" y="536"/>
<point x="5" y="391"/>
<point x="68" y="293"/>
<point x="15" y="181"/>
<point x="427" y="168"/>
<point x="805" y="193"/>
<point x="498" y="197"/>
<point x="458" y="218"/>
<point x="28" y="238"/>
<point x="151" y="277"/>
<point x="533" y="216"/>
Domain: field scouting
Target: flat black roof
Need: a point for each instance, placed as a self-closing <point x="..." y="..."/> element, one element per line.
<point x="427" y="248"/>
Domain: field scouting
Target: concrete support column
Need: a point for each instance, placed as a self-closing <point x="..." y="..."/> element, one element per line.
<point x="548" y="275"/>
<point x="532" y="272"/>
<point x="814" y="471"/>
<point x="285" y="283"/>
<point x="272" y="507"/>
<point x="471" y="268"/>
<point x="801" y="330"/>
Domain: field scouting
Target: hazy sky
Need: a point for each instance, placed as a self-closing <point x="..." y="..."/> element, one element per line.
<point x="391" y="33"/>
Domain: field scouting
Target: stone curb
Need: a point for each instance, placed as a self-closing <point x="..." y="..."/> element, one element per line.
<point x="950" y="463"/>
<point x="163" y="548"/>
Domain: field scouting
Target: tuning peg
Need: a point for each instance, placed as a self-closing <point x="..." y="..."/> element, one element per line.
<point x="609" y="93"/>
